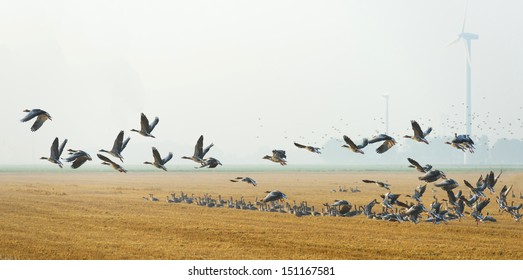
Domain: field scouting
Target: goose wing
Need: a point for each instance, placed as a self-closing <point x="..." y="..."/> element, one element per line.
<point x="299" y="145"/>
<point x="480" y="182"/>
<point x="198" y="148"/>
<point x="156" y="155"/>
<point x="443" y="184"/>
<point x="379" y="138"/>
<point x="153" y="125"/>
<point x="368" y="181"/>
<point x="416" y="165"/>
<point x="490" y="181"/>
<point x="468" y="185"/>
<point x="124" y="144"/>
<point x="505" y="191"/>
<point x="497" y="177"/>
<point x="73" y="155"/>
<point x="54" y="149"/>
<point x="167" y="158"/>
<point x="39" y="122"/>
<point x="60" y="151"/>
<point x="364" y="143"/>
<point x="427" y="132"/>
<point x="33" y="113"/>
<point x="274" y="195"/>
<point x="79" y="161"/>
<point x="417" y="129"/>
<point x="117" y="145"/>
<point x="106" y="159"/>
<point x="349" y="142"/>
<point x="250" y="180"/>
<point x="279" y="154"/>
<point x="385" y="146"/>
<point x="207" y="149"/>
<point x="421" y="189"/>
<point x="482" y="204"/>
<point x="144" y="123"/>
<point x="452" y="197"/>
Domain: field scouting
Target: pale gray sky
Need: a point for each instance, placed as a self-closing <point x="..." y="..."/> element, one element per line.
<point x="250" y="76"/>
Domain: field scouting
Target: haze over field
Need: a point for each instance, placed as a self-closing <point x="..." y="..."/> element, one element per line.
<point x="255" y="76"/>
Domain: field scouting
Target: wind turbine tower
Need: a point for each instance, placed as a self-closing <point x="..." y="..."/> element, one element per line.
<point x="386" y="96"/>
<point x="467" y="39"/>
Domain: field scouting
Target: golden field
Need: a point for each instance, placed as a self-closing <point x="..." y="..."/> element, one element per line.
<point x="101" y="215"/>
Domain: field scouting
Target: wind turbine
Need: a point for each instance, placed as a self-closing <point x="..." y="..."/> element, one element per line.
<point x="386" y="96"/>
<point x="467" y="38"/>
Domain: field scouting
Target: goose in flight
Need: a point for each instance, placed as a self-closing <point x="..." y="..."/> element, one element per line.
<point x="278" y="156"/>
<point x="248" y="180"/>
<point x="107" y="161"/>
<point x="308" y="148"/>
<point x="418" y="193"/>
<point x="413" y="213"/>
<point x="457" y="146"/>
<point x="118" y="146"/>
<point x="462" y="142"/>
<point x="447" y="185"/>
<point x="478" y="190"/>
<point x="388" y="142"/>
<point x="199" y="152"/>
<point x="454" y="199"/>
<point x="502" y="199"/>
<point x="379" y="184"/>
<point x="210" y="163"/>
<point x="477" y="208"/>
<point x="274" y="195"/>
<point x="490" y="181"/>
<point x="432" y="176"/>
<point x="419" y="135"/>
<point x="41" y="117"/>
<point x="158" y="161"/>
<point x="56" y="152"/>
<point x="78" y="157"/>
<point x="355" y="148"/>
<point x="390" y="199"/>
<point x="422" y="169"/>
<point x="146" y="128"/>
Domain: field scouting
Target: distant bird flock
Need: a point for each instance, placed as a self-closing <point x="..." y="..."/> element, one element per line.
<point x="393" y="209"/>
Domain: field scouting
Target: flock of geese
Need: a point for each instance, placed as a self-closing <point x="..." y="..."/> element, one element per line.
<point x="393" y="209"/>
<point x="79" y="157"/>
<point x="454" y="207"/>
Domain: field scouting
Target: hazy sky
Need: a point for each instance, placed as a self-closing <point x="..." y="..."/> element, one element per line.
<point x="250" y="76"/>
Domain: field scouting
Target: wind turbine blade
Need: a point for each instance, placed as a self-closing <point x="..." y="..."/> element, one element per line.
<point x="453" y="42"/>
<point x="465" y="17"/>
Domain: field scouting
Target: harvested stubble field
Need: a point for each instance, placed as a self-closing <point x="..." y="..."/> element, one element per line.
<point x="101" y="215"/>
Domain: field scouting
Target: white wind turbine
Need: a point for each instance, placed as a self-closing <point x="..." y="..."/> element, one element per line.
<point x="467" y="38"/>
